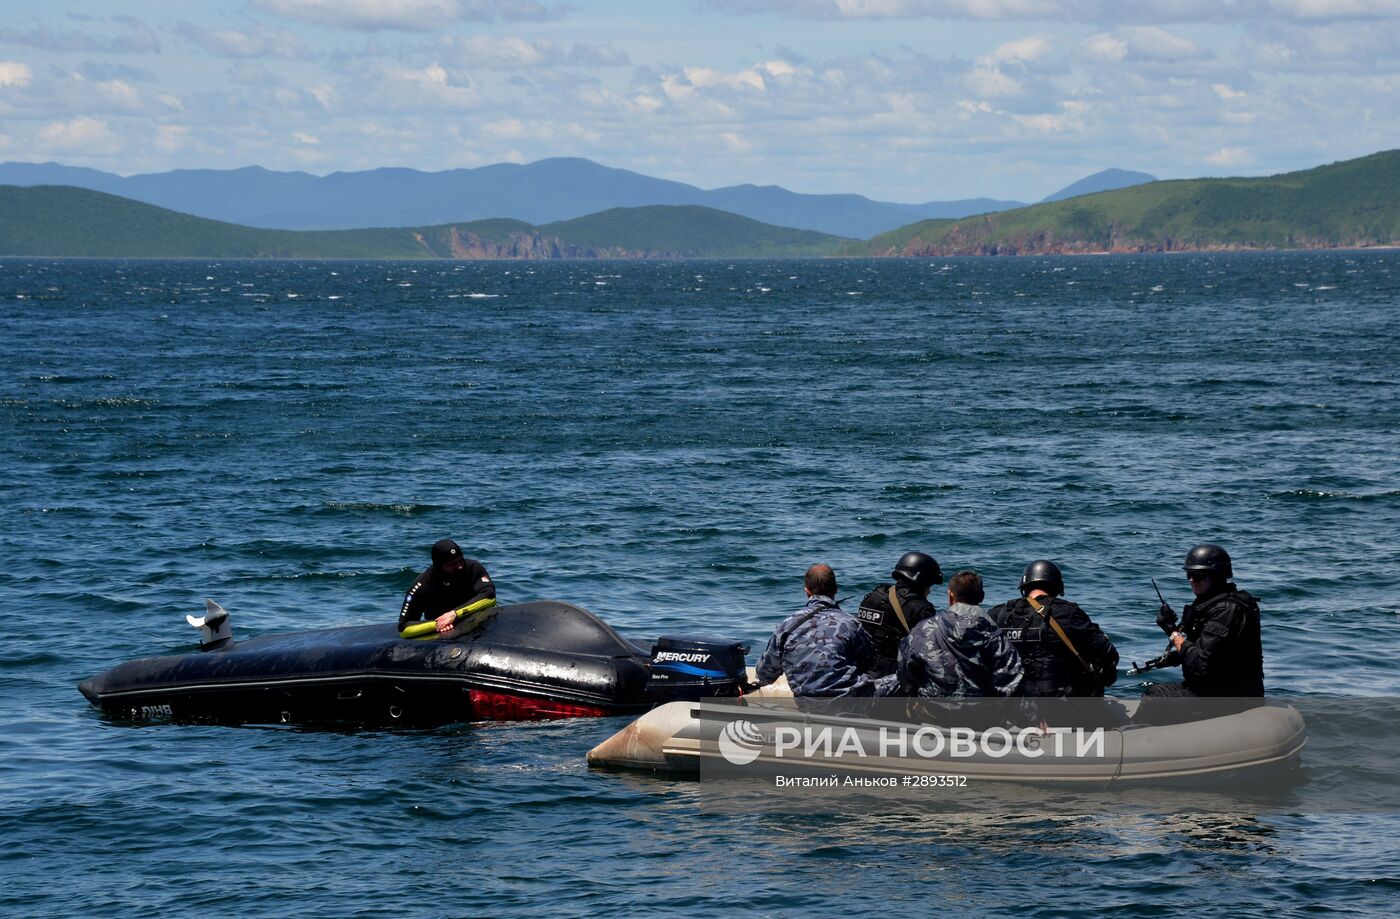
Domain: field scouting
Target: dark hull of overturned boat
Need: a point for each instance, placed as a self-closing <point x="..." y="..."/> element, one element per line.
<point x="531" y="660"/>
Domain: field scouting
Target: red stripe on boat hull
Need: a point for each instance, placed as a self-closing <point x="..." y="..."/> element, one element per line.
<point x="500" y="706"/>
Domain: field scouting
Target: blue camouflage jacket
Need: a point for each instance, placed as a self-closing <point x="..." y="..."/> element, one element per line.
<point x="823" y="650"/>
<point x="959" y="652"/>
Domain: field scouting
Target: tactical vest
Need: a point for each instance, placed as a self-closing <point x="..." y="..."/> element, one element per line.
<point x="881" y="623"/>
<point x="1051" y="669"/>
<point x="1237" y="667"/>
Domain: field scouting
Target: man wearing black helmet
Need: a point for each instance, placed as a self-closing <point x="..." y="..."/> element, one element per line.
<point x="1218" y="641"/>
<point x="890" y="611"/>
<point x="449" y="583"/>
<point x="1063" y="652"/>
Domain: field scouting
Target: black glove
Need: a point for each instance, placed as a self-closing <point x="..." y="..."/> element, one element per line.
<point x="1166" y="619"/>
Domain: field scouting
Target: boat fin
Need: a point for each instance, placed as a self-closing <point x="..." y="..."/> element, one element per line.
<point x="214" y="629"/>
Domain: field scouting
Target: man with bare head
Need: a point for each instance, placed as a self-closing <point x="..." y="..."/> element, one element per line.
<point x="960" y="652"/>
<point x="822" y="649"/>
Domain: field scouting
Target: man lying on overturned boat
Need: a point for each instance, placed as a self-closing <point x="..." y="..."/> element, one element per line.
<point x="1218" y="642"/>
<point x="450" y="583"/>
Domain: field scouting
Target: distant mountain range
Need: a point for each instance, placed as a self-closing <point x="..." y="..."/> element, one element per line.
<point x="538" y="193"/>
<point x="1108" y="180"/>
<point x="66" y="221"/>
<point x="1351" y="203"/>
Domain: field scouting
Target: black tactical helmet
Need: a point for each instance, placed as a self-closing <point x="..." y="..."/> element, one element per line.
<point x="1209" y="557"/>
<point x="1045" y="575"/>
<point x="918" y="569"/>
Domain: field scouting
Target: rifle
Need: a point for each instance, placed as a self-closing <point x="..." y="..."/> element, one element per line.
<point x="1169" y="658"/>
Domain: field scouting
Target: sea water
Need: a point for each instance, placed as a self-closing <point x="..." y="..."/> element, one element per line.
<point x="669" y="444"/>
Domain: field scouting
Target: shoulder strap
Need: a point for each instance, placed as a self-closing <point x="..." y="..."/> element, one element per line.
<point x="798" y="620"/>
<point x="899" y="610"/>
<point x="1060" y="631"/>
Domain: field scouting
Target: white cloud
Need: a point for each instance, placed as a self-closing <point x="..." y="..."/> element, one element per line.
<point x="325" y="94"/>
<point x="256" y="42"/>
<point x="135" y="38"/>
<point x="1091" y="11"/>
<point x="171" y="138"/>
<point x="735" y="142"/>
<point x="1336" y="9"/>
<point x="405" y="15"/>
<point x="1229" y="156"/>
<point x="119" y="94"/>
<point x="988" y="77"/>
<point x="719" y="91"/>
<point x="81" y="135"/>
<point x="1105" y="47"/>
<point x="302" y="137"/>
<point x="1225" y="92"/>
<point x="15" y="73"/>
<point x="505" y="52"/>
<point x="703" y="77"/>
<point x="1328" y="47"/>
<point x="993" y="83"/>
<point x="756" y="77"/>
<point x="427" y="87"/>
<point x="1020" y="50"/>
<point x="410" y="15"/>
<point x="513" y="129"/>
<point x="1155" y="43"/>
<point x="893" y="9"/>
<point x="1070" y="118"/>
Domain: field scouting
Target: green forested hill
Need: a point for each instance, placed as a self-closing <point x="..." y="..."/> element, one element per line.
<point x="66" y="221"/>
<point x="1352" y="203"/>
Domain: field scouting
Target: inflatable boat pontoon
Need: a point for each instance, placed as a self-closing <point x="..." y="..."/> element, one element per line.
<point x="765" y="735"/>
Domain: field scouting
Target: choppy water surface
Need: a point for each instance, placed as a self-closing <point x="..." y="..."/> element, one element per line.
<point x="670" y="445"/>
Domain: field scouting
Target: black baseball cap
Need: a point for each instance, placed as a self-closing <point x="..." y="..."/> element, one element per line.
<point x="445" y="552"/>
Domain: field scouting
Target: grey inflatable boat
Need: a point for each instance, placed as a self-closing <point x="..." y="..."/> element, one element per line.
<point x="767" y="733"/>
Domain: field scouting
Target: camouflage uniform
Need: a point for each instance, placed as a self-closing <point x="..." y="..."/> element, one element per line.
<point x="823" y="650"/>
<point x="958" y="653"/>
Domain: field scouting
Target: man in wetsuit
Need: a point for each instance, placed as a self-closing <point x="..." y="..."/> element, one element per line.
<point x="889" y="611"/>
<point x="822" y="649"/>
<point x="1218" y="642"/>
<point x="1063" y="652"/>
<point x="449" y="583"/>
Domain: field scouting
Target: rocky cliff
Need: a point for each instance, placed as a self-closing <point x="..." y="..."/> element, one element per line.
<point x="465" y="244"/>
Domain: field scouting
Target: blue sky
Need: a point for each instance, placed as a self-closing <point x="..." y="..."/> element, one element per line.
<point x="905" y="100"/>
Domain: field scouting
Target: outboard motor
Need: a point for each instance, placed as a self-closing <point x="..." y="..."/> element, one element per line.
<point x="214" y="631"/>
<point x="695" y="668"/>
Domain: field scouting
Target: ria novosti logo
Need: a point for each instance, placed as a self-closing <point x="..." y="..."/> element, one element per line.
<point x="740" y="742"/>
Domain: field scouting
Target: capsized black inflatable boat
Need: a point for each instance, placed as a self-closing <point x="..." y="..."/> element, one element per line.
<point x="543" y="659"/>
